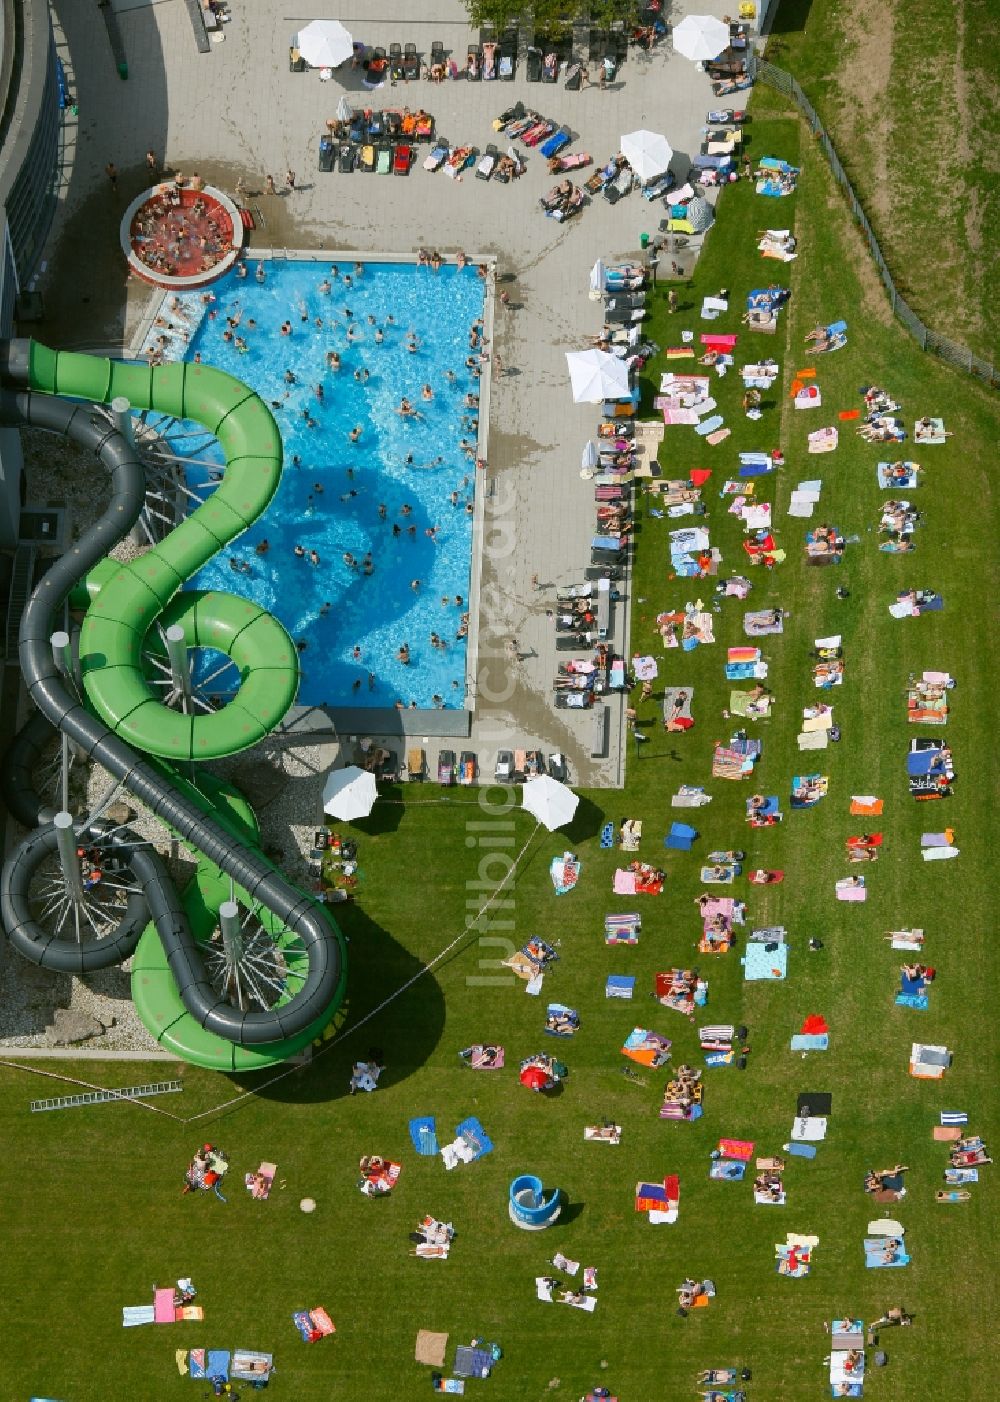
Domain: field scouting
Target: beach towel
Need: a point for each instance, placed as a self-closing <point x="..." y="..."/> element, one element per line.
<point x="423" y="1135"/>
<point x="482" y="1060"/>
<point x="876" y="1252"/>
<point x="624" y="883"/>
<point x="709" y="426"/>
<point x="866" y="805"/>
<point x="216" y="1364"/>
<point x="619" y="986"/>
<point x="847" y="890"/>
<point x="729" y="1170"/>
<point x="646" y="1047"/>
<point x="246" y="1365"/>
<point x="954" y="1117"/>
<point x="455" y="1386"/>
<point x="808" y="1129"/>
<point x="565" y="873"/>
<point x="939" y="854"/>
<point x="472" y="1132"/>
<point x="810" y="1041"/>
<point x="603" y="1134"/>
<point x="134" y="1315"/>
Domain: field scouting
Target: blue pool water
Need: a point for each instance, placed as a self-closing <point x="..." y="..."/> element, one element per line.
<point x="332" y="489"/>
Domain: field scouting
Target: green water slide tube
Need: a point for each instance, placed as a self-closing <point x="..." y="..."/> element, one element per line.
<point x="124" y="603"/>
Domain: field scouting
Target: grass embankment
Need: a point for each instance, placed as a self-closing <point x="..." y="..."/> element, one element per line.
<point x="909" y="92"/>
<point x="93" y="1214"/>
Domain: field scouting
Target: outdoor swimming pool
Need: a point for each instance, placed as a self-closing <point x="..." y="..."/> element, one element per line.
<point x="378" y="496"/>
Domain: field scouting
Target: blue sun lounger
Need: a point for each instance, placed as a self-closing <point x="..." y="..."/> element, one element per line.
<point x="555" y="143"/>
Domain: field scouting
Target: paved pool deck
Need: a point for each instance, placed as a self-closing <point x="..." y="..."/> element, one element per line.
<point x="238" y="112"/>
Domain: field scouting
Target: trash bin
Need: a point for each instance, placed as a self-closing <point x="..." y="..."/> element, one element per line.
<point x="123" y="71"/>
<point x="643" y="240"/>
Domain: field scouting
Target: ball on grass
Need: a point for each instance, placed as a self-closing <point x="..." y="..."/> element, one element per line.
<point x="308" y="1204"/>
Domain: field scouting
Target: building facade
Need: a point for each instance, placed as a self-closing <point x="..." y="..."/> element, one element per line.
<point x="30" y="140"/>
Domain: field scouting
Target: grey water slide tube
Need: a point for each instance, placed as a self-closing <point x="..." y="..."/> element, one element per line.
<point x="246" y="865"/>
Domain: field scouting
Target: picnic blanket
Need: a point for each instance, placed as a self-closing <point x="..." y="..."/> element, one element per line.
<point x="646" y="1047"/>
<point x="929" y="431"/>
<point x="565" y="873"/>
<point x="677" y="707"/>
<point x="430" y="1348"/>
<point x="622" y="929"/>
<point x="756" y="624"/>
<point x="741" y="703"/>
<point x="762" y="961"/>
<point x="851" y="888"/>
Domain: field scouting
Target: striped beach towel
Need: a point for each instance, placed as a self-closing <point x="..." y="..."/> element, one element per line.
<point x="954" y="1117"/>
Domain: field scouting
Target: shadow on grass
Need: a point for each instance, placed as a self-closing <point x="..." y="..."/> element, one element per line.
<point x="587" y="821"/>
<point x="570" y="1212"/>
<point x="402" y="1036"/>
<point x="384" y="818"/>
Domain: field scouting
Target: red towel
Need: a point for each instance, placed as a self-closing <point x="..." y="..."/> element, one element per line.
<point x="815" y="1025"/>
<point x="698" y="476"/>
<point x="718" y="342"/>
<point x="846" y="414"/>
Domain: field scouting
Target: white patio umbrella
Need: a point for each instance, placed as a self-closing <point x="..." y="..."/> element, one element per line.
<point x="325" y="43"/>
<point x="594" y="375"/>
<point x="345" y="112"/>
<point x="700" y="36"/>
<point x="647" y="153"/>
<point x="349" y="793"/>
<point x="552" y="803"/>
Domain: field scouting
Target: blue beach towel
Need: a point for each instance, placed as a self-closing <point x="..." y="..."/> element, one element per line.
<point x="473" y="1133"/>
<point x="730" y="1170"/>
<point x="423" y="1134"/>
<point x="217" y="1363"/>
<point x="810" y="1041"/>
<point x="801" y="1151"/>
<point x="608" y="835"/>
<point x="874" y="1249"/>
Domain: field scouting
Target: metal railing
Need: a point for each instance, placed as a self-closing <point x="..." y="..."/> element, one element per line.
<point x="929" y="340"/>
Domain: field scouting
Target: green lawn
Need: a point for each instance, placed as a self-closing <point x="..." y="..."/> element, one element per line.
<point x="908" y="91"/>
<point x="93" y="1213"/>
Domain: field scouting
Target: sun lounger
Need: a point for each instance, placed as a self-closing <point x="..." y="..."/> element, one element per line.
<point x="416" y="765"/>
<point x="555" y="143"/>
<point x="487" y="163"/>
<point x="401" y="159"/>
